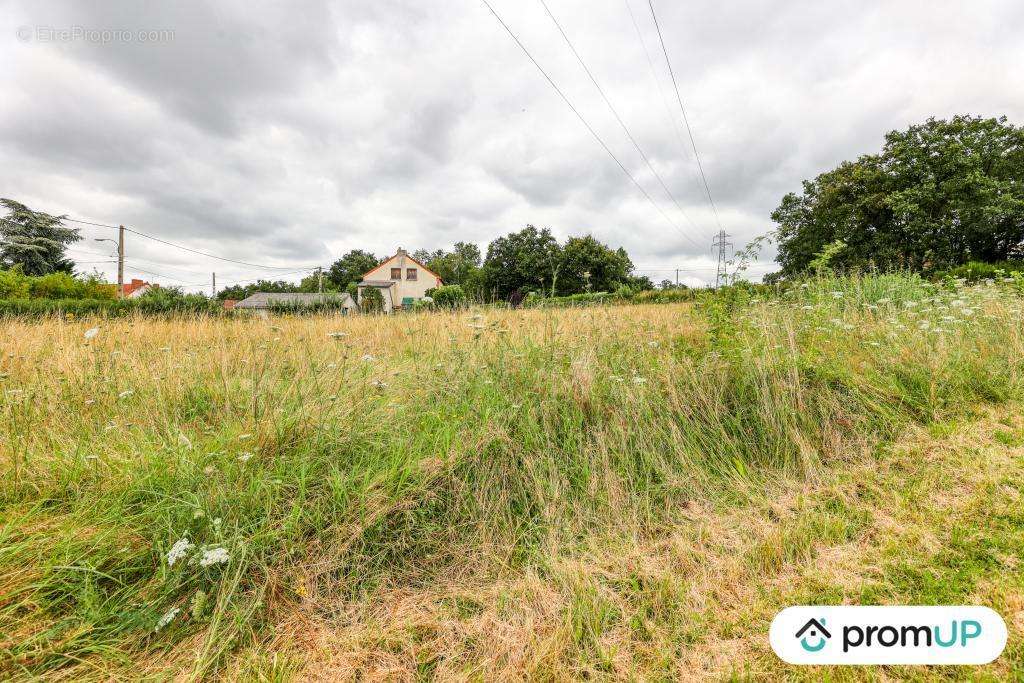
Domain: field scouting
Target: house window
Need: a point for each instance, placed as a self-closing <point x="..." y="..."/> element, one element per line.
<point x="410" y="273"/>
<point x="396" y="273"/>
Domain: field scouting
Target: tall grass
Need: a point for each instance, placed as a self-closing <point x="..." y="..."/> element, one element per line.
<point x="329" y="457"/>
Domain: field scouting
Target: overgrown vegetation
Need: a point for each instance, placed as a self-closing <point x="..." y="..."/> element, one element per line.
<point x="487" y="493"/>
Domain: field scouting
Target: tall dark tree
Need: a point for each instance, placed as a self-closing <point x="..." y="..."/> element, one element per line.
<point x="351" y="267"/>
<point x="522" y="261"/>
<point x="590" y="266"/>
<point x="938" y="194"/>
<point x="34" y="240"/>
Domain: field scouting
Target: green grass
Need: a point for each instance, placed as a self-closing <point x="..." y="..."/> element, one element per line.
<point x="469" y="466"/>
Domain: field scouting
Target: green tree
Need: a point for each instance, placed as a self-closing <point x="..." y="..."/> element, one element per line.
<point x="522" y="261"/>
<point x="239" y="292"/>
<point x="939" y="194"/>
<point x="371" y="300"/>
<point x="457" y="267"/>
<point x="34" y="240"/>
<point x="590" y="266"/>
<point x="350" y="268"/>
<point x="312" y="283"/>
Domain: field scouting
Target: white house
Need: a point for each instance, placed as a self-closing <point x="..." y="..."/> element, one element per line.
<point x="401" y="280"/>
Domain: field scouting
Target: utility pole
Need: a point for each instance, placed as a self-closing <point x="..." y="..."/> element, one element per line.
<point x="677" y="277"/>
<point x="721" y="242"/>
<point x="320" y="280"/>
<point x="213" y="286"/>
<point x="120" y="261"/>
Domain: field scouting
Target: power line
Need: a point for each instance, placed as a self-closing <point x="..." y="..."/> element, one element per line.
<point x="182" y="247"/>
<point x="582" y="120"/>
<point x="657" y="81"/>
<point x="618" y="118"/>
<point x="679" y="99"/>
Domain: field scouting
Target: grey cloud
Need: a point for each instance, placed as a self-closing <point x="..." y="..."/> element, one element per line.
<point x="286" y="134"/>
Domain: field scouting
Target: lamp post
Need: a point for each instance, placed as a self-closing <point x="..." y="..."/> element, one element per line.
<point x="120" y="259"/>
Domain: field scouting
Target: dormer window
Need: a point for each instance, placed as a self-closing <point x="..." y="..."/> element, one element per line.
<point x="396" y="273"/>
<point x="410" y="273"/>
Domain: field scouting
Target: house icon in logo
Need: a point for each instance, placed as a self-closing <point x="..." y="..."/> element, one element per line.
<point x="816" y="632"/>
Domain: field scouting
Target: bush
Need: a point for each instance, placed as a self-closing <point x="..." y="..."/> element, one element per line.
<point x="36" y="308"/>
<point x="974" y="271"/>
<point x="371" y="300"/>
<point x="14" y="284"/>
<point x="586" y="299"/>
<point x="448" y="296"/>
<point x="664" y="296"/>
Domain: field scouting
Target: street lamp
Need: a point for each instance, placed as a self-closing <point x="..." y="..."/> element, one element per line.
<point x="120" y="258"/>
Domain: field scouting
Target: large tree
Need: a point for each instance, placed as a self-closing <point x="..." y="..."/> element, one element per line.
<point x="34" y="240"/>
<point x="456" y="267"/>
<point x="522" y="261"/>
<point x="938" y="194"/>
<point x="351" y="267"/>
<point x="589" y="265"/>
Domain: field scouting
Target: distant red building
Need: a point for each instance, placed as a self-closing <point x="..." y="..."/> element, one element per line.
<point x="136" y="288"/>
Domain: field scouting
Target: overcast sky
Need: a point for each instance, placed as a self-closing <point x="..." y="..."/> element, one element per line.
<point x="288" y="134"/>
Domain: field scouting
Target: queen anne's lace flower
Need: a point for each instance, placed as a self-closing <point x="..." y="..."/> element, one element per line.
<point x="214" y="556"/>
<point x="178" y="551"/>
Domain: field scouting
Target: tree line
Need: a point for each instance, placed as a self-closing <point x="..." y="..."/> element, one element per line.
<point x="527" y="261"/>
<point x="941" y="194"/>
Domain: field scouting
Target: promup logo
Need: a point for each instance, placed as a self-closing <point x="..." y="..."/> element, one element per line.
<point x="818" y="634"/>
<point x="888" y="635"/>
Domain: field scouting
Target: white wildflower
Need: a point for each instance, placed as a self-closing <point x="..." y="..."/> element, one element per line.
<point x="164" y="348"/>
<point x="185" y="441"/>
<point x="652" y="344"/>
<point x="209" y="469"/>
<point x="837" y="295"/>
<point x="214" y="556"/>
<point x="179" y="550"/>
<point x="91" y="332"/>
<point x="126" y="393"/>
<point x="243" y="437"/>
<point x="337" y="335"/>
<point x="380" y="385"/>
<point x="637" y="379"/>
<point x="245" y="457"/>
<point x="367" y="357"/>
<point x="884" y="301"/>
<point x="167" y="618"/>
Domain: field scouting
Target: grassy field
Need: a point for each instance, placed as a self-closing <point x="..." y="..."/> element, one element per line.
<point x="612" y="492"/>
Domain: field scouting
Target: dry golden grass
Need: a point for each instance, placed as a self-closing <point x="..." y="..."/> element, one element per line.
<point x="624" y="493"/>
